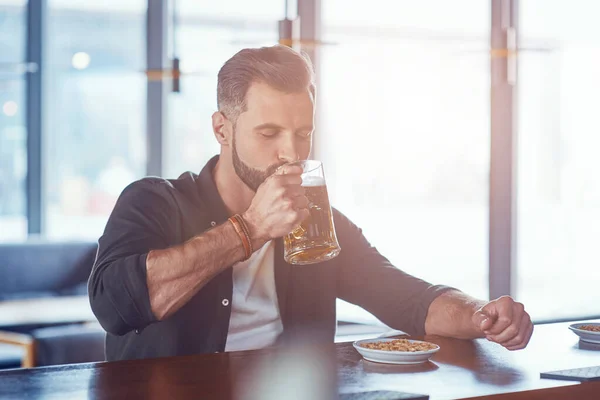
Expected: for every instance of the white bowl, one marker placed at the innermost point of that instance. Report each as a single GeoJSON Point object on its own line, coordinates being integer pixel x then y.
{"type": "Point", "coordinates": [586, 336]}
{"type": "Point", "coordinates": [394, 357]}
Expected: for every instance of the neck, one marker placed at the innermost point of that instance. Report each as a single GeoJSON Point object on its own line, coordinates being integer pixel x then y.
{"type": "Point", "coordinates": [235, 194]}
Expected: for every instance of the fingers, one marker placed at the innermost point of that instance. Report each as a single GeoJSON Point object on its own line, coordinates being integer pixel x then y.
{"type": "Point", "coordinates": [298, 211]}
{"type": "Point", "coordinates": [301, 215]}
{"type": "Point", "coordinates": [281, 201]}
{"type": "Point", "coordinates": [293, 197]}
{"type": "Point", "coordinates": [525, 341]}
{"type": "Point", "coordinates": [507, 334]}
{"type": "Point", "coordinates": [502, 310]}
{"type": "Point", "coordinates": [300, 202]}
{"type": "Point", "coordinates": [482, 320]}
{"type": "Point", "coordinates": [513, 327]}
{"type": "Point", "coordinates": [289, 169]}
{"type": "Point", "coordinates": [286, 180]}
{"type": "Point", "coordinates": [287, 175]}
{"type": "Point", "coordinates": [522, 338]}
{"type": "Point", "coordinates": [294, 191]}
{"type": "Point", "coordinates": [289, 187]}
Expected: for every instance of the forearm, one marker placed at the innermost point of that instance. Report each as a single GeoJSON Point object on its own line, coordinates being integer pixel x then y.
{"type": "Point", "coordinates": [176, 274]}
{"type": "Point", "coordinates": [451, 315]}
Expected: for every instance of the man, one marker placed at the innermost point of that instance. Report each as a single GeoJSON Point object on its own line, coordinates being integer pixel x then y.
{"type": "Point", "coordinates": [195, 264]}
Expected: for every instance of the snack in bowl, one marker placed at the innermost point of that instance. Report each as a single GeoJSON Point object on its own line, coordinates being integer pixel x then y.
{"type": "Point", "coordinates": [396, 351]}
{"type": "Point", "coordinates": [591, 328]}
{"type": "Point", "coordinates": [400, 345]}
{"type": "Point", "coordinates": [587, 331]}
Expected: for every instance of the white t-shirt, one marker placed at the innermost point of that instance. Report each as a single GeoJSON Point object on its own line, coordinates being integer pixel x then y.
{"type": "Point", "coordinates": [255, 320]}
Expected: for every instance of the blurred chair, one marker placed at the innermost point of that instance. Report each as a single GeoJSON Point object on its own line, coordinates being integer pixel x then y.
{"type": "Point", "coordinates": [11, 356]}
{"type": "Point", "coordinates": [37, 272]}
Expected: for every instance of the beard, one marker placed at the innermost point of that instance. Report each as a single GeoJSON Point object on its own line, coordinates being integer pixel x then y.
{"type": "Point", "coordinates": [251, 177]}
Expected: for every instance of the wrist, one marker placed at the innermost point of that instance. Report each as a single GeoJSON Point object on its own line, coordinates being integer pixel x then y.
{"type": "Point", "coordinates": [257, 236]}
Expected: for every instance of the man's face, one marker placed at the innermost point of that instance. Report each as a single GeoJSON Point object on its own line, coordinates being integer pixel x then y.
{"type": "Point", "coordinates": [276, 129]}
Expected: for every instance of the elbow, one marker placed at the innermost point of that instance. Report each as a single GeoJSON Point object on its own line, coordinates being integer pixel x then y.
{"type": "Point", "coordinates": [106, 313]}
{"type": "Point", "coordinates": [108, 316]}
{"type": "Point", "coordinates": [113, 327]}
{"type": "Point", "coordinates": [119, 297]}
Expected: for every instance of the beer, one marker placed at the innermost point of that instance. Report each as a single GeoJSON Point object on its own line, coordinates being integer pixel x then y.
{"type": "Point", "coordinates": [314, 240]}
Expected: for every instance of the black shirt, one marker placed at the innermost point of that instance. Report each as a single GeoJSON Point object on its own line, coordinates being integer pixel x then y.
{"type": "Point", "coordinates": [155, 213]}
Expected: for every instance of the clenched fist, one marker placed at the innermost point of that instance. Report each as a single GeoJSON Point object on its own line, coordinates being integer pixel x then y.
{"type": "Point", "coordinates": [504, 321]}
{"type": "Point", "coordinates": [279, 205]}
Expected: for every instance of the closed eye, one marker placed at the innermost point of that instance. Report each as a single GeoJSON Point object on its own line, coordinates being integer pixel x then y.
{"type": "Point", "coordinates": [269, 132]}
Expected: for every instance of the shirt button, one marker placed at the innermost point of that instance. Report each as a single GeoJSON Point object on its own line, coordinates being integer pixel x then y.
{"type": "Point", "coordinates": [225, 302]}
{"type": "Point", "coordinates": [137, 331]}
{"type": "Point", "coordinates": [213, 223]}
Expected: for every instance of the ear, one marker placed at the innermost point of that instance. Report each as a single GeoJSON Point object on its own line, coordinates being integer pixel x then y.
{"type": "Point", "coordinates": [220, 126]}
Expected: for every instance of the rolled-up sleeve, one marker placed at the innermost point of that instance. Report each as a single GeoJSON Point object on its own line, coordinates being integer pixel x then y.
{"type": "Point", "coordinates": [117, 287]}
{"type": "Point", "coordinates": [369, 280]}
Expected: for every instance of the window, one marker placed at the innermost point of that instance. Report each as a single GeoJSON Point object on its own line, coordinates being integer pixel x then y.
{"type": "Point", "coordinates": [558, 184]}
{"type": "Point", "coordinates": [403, 126]}
{"type": "Point", "coordinates": [404, 133]}
{"type": "Point", "coordinates": [95, 107]}
{"type": "Point", "coordinates": [13, 133]}
{"type": "Point", "coordinates": [207, 35]}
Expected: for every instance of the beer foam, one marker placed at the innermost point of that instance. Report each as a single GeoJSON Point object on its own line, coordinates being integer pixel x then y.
{"type": "Point", "coordinates": [311, 181]}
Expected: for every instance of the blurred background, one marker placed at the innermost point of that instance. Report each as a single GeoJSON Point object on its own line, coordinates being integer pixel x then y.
{"type": "Point", "coordinates": [461, 135]}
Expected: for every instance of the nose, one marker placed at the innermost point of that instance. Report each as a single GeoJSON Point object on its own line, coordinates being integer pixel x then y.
{"type": "Point", "coordinates": [288, 150]}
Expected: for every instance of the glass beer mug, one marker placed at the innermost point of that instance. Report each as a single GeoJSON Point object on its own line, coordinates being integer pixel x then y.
{"type": "Point", "coordinates": [314, 240]}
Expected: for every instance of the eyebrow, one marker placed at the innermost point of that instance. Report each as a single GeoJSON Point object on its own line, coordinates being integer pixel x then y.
{"type": "Point", "coordinates": [270, 125]}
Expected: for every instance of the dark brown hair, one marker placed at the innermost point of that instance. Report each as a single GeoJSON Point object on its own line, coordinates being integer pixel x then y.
{"type": "Point", "coordinates": [278, 66]}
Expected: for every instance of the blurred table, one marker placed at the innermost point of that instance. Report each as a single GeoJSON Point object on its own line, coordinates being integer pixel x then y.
{"type": "Point", "coordinates": [461, 369]}
{"type": "Point", "coordinates": [46, 310]}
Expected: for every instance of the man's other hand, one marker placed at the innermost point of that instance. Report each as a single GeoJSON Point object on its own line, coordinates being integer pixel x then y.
{"type": "Point", "coordinates": [504, 321]}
